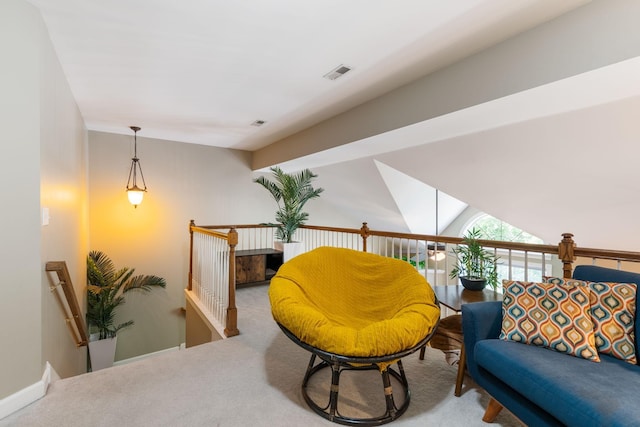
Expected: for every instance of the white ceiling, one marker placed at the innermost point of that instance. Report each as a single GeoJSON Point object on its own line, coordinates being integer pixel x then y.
{"type": "Point", "coordinates": [201, 71]}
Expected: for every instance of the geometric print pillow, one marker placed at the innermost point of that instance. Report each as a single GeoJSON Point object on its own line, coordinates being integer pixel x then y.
{"type": "Point", "coordinates": [556, 317]}
{"type": "Point", "coordinates": [613, 310]}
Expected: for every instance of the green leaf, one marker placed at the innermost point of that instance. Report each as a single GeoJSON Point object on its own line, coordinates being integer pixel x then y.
{"type": "Point", "coordinates": [105, 292]}
{"type": "Point", "coordinates": [291, 192]}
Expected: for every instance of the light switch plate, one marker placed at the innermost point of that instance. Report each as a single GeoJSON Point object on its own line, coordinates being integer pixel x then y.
{"type": "Point", "coordinates": [45, 216]}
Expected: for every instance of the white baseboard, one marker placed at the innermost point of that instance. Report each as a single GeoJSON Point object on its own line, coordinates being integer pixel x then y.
{"type": "Point", "coordinates": [28, 395]}
{"type": "Point", "coordinates": [144, 356]}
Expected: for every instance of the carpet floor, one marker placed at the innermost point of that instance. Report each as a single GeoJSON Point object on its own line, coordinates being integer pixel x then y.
{"type": "Point", "coordinates": [250, 380]}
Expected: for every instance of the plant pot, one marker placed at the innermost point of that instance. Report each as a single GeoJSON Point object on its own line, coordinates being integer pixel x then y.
{"type": "Point", "coordinates": [473, 283]}
{"type": "Point", "coordinates": [102, 353]}
{"type": "Point", "coordinates": [289, 250]}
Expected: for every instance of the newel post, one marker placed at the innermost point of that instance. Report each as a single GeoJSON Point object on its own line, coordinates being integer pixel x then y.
{"type": "Point", "coordinates": [364, 232]}
{"type": "Point", "coordinates": [192, 224]}
{"type": "Point", "coordinates": [566, 254]}
{"type": "Point", "coordinates": [231, 329]}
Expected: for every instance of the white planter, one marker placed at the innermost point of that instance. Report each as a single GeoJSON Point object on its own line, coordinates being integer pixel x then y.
{"type": "Point", "coordinates": [289, 250]}
{"type": "Point", "coordinates": [102, 353]}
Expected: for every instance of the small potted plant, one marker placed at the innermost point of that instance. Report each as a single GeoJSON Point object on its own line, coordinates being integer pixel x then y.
{"type": "Point", "coordinates": [105, 292]}
{"type": "Point", "coordinates": [291, 192]}
{"type": "Point", "coordinates": [475, 266]}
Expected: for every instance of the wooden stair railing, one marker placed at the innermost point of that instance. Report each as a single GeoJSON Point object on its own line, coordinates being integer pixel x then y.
{"type": "Point", "coordinates": [71, 309]}
{"type": "Point", "coordinates": [231, 316]}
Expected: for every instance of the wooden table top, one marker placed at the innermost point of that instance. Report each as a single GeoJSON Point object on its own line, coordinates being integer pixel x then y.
{"type": "Point", "coordinates": [453, 296]}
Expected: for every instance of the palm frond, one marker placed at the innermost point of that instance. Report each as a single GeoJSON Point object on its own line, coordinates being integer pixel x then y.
{"type": "Point", "coordinates": [105, 292]}
{"type": "Point", "coordinates": [291, 192]}
{"type": "Point", "coordinates": [145, 283]}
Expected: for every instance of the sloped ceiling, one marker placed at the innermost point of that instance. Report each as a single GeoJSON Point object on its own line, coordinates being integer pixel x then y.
{"type": "Point", "coordinates": [425, 209]}
{"type": "Point", "coordinates": [574, 172]}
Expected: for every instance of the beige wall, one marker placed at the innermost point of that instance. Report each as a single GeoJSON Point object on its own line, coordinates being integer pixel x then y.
{"type": "Point", "coordinates": [42, 146]}
{"type": "Point", "coordinates": [20, 326]}
{"type": "Point", "coordinates": [63, 190]}
{"type": "Point", "coordinates": [185, 181]}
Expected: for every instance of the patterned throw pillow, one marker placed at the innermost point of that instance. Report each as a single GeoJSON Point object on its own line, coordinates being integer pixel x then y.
{"type": "Point", "coordinates": [548, 315]}
{"type": "Point", "coordinates": [613, 309]}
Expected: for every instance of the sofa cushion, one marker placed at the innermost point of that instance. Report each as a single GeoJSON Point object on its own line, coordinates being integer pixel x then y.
{"type": "Point", "coordinates": [613, 310]}
{"type": "Point", "coordinates": [551, 316]}
{"type": "Point", "coordinates": [594, 273]}
{"type": "Point", "coordinates": [575, 391]}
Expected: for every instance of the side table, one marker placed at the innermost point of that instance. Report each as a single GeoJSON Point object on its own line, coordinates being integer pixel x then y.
{"type": "Point", "coordinates": [453, 297]}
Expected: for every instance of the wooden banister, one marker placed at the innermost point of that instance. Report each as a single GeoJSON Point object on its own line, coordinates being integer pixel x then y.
{"type": "Point", "coordinates": [192, 224]}
{"type": "Point", "coordinates": [566, 254]}
{"type": "Point", "coordinates": [566, 251]}
{"type": "Point", "coordinates": [231, 240]}
{"type": "Point", "coordinates": [231, 328]}
{"type": "Point", "coordinates": [365, 233]}
{"type": "Point", "coordinates": [79, 333]}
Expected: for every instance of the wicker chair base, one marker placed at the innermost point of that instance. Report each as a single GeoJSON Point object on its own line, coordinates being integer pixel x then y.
{"type": "Point", "coordinates": [339, 363]}
{"type": "Point", "coordinates": [331, 412]}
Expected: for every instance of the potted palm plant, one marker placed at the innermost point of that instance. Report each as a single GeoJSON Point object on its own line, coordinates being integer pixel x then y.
{"type": "Point", "coordinates": [291, 192]}
{"type": "Point", "coordinates": [105, 293]}
{"type": "Point", "coordinates": [475, 266]}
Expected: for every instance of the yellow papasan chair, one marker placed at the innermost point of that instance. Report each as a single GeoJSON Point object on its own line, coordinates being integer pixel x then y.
{"type": "Point", "coordinates": [354, 310]}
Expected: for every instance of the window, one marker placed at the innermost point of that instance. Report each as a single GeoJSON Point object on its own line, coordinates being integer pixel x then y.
{"type": "Point", "coordinates": [495, 229]}
{"type": "Point", "coordinates": [513, 265]}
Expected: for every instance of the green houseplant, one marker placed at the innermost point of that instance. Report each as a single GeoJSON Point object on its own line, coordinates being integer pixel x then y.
{"type": "Point", "coordinates": [475, 266]}
{"type": "Point", "coordinates": [291, 192]}
{"type": "Point", "coordinates": [106, 287]}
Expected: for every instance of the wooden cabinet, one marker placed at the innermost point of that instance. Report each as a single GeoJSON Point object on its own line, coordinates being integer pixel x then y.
{"type": "Point", "coordinates": [257, 265]}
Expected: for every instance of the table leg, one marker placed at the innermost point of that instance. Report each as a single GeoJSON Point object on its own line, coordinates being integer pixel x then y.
{"type": "Point", "coordinates": [462, 365]}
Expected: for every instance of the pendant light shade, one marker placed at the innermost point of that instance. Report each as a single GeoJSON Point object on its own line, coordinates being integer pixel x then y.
{"type": "Point", "coordinates": [135, 193]}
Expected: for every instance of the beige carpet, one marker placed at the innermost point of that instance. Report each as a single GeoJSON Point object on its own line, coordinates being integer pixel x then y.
{"type": "Point", "coordinates": [250, 380]}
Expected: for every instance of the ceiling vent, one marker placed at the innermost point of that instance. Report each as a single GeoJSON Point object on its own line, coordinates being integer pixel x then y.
{"type": "Point", "coordinates": [339, 71]}
{"type": "Point", "coordinates": [258, 123]}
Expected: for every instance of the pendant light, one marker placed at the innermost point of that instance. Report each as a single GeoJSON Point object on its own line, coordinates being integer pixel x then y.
{"type": "Point", "coordinates": [135, 193]}
{"type": "Point", "coordinates": [436, 251]}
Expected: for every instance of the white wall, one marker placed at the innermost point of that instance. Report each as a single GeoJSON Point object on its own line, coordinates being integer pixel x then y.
{"type": "Point", "coordinates": [41, 128]}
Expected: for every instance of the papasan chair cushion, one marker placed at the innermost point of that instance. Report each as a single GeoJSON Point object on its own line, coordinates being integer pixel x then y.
{"type": "Point", "coordinates": [353, 303]}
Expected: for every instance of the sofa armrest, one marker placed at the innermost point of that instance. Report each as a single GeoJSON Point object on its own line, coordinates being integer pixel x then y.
{"type": "Point", "coordinates": [480, 321]}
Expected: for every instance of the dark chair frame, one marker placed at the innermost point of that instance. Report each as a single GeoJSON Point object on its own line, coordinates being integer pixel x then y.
{"type": "Point", "coordinates": [339, 363]}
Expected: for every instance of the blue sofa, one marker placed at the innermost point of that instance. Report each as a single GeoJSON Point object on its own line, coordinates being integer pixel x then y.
{"type": "Point", "coordinates": [543, 387]}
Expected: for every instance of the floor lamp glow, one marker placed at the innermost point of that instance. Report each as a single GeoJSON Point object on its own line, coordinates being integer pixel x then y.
{"type": "Point", "coordinates": [135, 193]}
